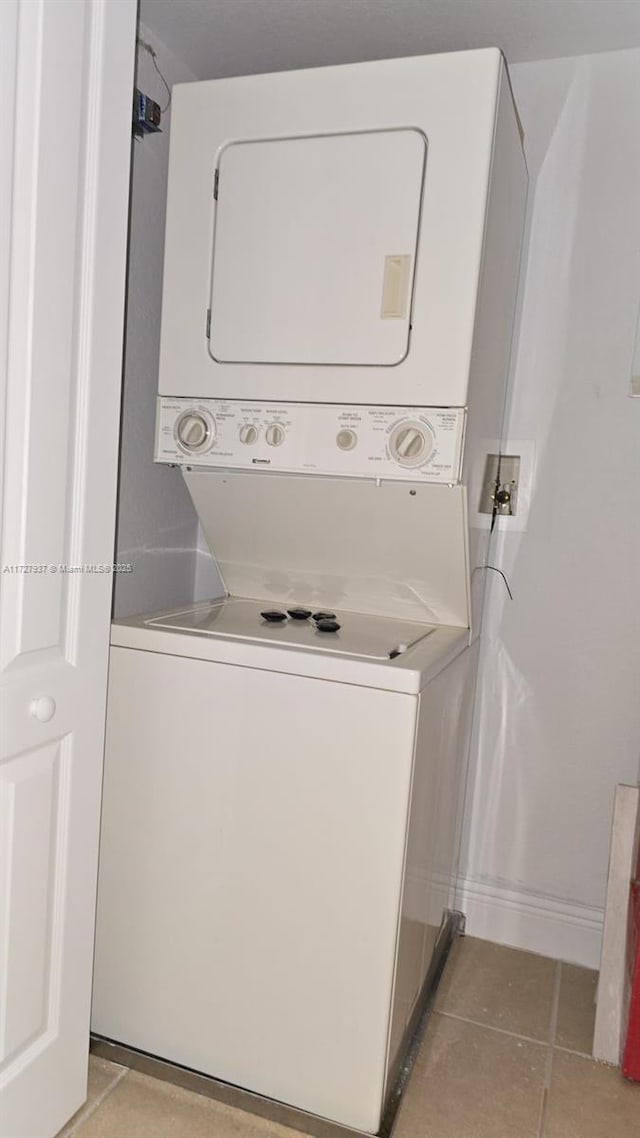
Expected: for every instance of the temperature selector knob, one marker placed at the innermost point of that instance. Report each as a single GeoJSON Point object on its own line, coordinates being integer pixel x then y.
{"type": "Point", "coordinates": [248, 434]}
{"type": "Point", "coordinates": [346, 438]}
{"type": "Point", "coordinates": [411, 443]}
{"type": "Point", "coordinates": [194, 431]}
{"type": "Point", "coordinates": [275, 435]}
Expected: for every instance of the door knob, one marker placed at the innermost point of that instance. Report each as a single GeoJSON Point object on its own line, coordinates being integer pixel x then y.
{"type": "Point", "coordinates": [43, 709]}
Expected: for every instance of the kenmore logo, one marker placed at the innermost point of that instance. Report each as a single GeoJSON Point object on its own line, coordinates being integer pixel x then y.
{"type": "Point", "coordinates": [262, 461]}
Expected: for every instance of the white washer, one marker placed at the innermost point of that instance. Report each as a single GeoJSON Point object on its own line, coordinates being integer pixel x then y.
{"type": "Point", "coordinates": [282, 797]}
{"type": "Point", "coordinates": [280, 827]}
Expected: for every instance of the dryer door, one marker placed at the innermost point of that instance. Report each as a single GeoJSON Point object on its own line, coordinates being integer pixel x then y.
{"type": "Point", "coordinates": [315, 248]}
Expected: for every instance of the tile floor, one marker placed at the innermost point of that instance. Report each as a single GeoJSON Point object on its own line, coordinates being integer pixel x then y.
{"type": "Point", "coordinates": [505, 1055]}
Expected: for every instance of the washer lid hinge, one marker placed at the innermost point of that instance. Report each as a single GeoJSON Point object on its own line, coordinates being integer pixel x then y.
{"type": "Point", "coordinates": [216, 180]}
{"type": "Point", "coordinates": [208, 323]}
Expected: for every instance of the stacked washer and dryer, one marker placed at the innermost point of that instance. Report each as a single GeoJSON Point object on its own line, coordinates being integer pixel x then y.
{"type": "Point", "coordinates": [285, 764]}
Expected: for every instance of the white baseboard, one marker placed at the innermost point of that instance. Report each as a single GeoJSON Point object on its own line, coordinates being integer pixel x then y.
{"type": "Point", "coordinates": [530, 921]}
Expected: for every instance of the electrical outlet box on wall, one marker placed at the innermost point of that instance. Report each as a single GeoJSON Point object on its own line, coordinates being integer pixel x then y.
{"type": "Point", "coordinates": [500, 485]}
{"type": "Point", "coordinates": [519, 458]}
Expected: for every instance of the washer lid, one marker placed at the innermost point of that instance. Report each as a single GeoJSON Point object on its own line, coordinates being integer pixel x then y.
{"type": "Point", "coordinates": [395, 548]}
{"type": "Point", "coordinates": [239, 618]}
{"type": "Point", "coordinates": [315, 247]}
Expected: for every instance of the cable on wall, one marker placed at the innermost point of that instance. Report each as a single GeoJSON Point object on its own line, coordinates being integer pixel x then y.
{"type": "Point", "coordinates": [151, 51]}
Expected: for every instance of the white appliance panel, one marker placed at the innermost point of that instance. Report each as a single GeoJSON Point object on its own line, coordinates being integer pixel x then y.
{"type": "Point", "coordinates": [452, 101]}
{"type": "Point", "coordinates": [264, 953]}
{"type": "Point", "coordinates": [314, 248]}
{"type": "Point", "coordinates": [437, 797]}
{"type": "Point", "coordinates": [422, 444]}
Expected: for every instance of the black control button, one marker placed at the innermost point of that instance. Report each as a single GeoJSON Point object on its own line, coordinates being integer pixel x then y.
{"type": "Point", "coordinates": [273, 616]}
{"type": "Point", "coordinates": [324, 616]}
{"type": "Point", "coordinates": [299, 614]}
{"type": "Point", "coordinates": [327, 625]}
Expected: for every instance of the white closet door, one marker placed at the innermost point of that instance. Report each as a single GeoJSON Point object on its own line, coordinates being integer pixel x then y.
{"type": "Point", "coordinates": [314, 248]}
{"type": "Point", "coordinates": [66, 73]}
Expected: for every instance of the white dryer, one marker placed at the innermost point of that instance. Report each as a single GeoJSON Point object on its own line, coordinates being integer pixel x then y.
{"type": "Point", "coordinates": [327, 232]}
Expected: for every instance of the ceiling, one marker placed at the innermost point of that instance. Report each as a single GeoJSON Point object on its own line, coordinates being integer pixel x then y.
{"type": "Point", "coordinates": [240, 37]}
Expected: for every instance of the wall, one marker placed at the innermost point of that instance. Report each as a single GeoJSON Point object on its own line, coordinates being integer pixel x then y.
{"type": "Point", "coordinates": [558, 713]}
{"type": "Point", "coordinates": [157, 525]}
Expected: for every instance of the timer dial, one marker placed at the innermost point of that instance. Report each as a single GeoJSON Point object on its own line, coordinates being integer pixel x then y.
{"type": "Point", "coordinates": [248, 434]}
{"type": "Point", "coordinates": [275, 435]}
{"type": "Point", "coordinates": [411, 443]}
{"type": "Point", "coordinates": [194, 431]}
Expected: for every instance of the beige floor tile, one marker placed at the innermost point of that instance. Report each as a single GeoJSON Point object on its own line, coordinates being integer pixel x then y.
{"type": "Point", "coordinates": [498, 986]}
{"type": "Point", "coordinates": [142, 1107]}
{"type": "Point", "coordinates": [589, 1100]}
{"type": "Point", "coordinates": [102, 1075]}
{"type": "Point", "coordinates": [472, 1082]}
{"type": "Point", "coordinates": [576, 1008]}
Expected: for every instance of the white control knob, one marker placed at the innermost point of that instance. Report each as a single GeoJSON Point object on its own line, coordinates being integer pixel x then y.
{"type": "Point", "coordinates": [275, 435]}
{"type": "Point", "coordinates": [346, 439]}
{"type": "Point", "coordinates": [43, 709]}
{"type": "Point", "coordinates": [410, 444]}
{"type": "Point", "coordinates": [248, 434]}
{"type": "Point", "coordinates": [194, 431]}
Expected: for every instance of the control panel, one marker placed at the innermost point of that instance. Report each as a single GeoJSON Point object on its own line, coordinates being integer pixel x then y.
{"type": "Point", "coordinates": [410, 443]}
